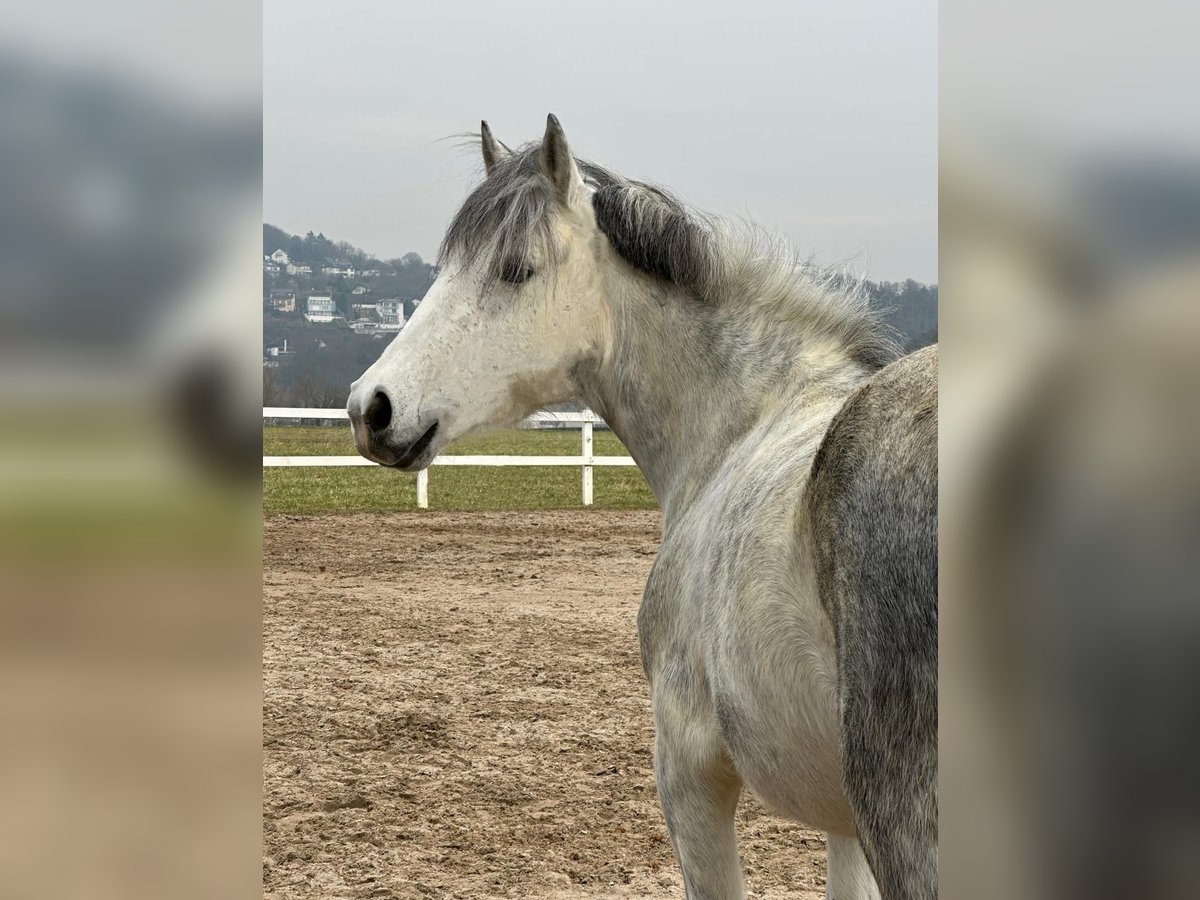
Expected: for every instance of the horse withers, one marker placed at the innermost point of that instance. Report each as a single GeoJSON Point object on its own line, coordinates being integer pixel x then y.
{"type": "Point", "coordinates": [789, 624]}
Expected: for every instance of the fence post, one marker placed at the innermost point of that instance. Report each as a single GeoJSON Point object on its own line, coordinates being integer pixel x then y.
{"type": "Point", "coordinates": [423, 489]}
{"type": "Point", "coordinates": [587, 459]}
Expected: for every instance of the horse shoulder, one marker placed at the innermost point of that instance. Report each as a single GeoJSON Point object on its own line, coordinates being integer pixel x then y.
{"type": "Point", "coordinates": [722, 558]}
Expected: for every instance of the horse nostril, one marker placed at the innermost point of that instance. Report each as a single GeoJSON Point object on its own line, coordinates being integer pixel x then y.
{"type": "Point", "coordinates": [379, 412]}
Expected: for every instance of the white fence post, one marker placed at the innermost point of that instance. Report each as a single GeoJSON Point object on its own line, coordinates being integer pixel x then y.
{"type": "Point", "coordinates": [423, 489]}
{"type": "Point", "coordinates": [587, 459]}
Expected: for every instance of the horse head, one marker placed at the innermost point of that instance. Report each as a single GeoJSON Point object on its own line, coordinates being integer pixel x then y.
{"type": "Point", "coordinates": [517, 307]}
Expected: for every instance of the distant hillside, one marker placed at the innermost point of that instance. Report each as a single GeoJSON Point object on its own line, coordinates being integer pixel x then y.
{"type": "Point", "coordinates": [322, 360]}
{"type": "Point", "coordinates": [407, 277]}
{"type": "Point", "coordinates": [275, 239]}
{"type": "Point", "coordinates": [912, 309]}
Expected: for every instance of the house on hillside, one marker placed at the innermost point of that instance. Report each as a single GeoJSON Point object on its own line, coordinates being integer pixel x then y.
{"type": "Point", "coordinates": [271, 355]}
{"type": "Point", "coordinates": [339, 268]}
{"type": "Point", "coordinates": [320, 308]}
{"type": "Point", "coordinates": [280, 257]}
{"type": "Point", "coordinates": [360, 290]}
{"type": "Point", "coordinates": [282, 301]}
{"type": "Point", "coordinates": [302, 269]}
{"type": "Point", "coordinates": [391, 314]}
{"type": "Point", "coordinates": [365, 318]}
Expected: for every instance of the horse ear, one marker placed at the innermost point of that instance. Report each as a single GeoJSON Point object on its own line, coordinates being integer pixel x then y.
{"type": "Point", "coordinates": [556, 161]}
{"type": "Point", "coordinates": [493, 150]}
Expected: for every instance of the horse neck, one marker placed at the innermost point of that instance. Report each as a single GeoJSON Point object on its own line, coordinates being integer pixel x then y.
{"type": "Point", "coordinates": [682, 382]}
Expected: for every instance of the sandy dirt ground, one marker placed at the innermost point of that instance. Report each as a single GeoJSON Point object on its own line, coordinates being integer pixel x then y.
{"type": "Point", "coordinates": [454, 707]}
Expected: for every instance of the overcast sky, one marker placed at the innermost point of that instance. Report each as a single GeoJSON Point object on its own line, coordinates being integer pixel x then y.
{"type": "Point", "coordinates": [818, 120]}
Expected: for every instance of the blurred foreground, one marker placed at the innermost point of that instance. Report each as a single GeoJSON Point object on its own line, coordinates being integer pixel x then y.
{"type": "Point", "coordinates": [130, 172]}
{"type": "Point", "coordinates": [1070, 459]}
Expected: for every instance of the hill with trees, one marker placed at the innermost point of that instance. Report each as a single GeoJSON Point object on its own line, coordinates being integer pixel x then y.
{"type": "Point", "coordinates": [910, 307]}
{"type": "Point", "coordinates": [406, 277]}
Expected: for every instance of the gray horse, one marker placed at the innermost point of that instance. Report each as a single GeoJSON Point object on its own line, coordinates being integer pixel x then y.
{"type": "Point", "coordinates": [789, 625]}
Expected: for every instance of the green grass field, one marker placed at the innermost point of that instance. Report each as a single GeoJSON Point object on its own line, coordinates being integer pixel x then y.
{"type": "Point", "coordinates": [322, 490]}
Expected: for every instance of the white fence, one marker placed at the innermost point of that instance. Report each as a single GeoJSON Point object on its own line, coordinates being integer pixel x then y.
{"type": "Point", "coordinates": [586, 460]}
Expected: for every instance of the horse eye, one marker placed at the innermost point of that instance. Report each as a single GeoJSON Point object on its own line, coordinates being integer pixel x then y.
{"type": "Point", "coordinates": [516, 273]}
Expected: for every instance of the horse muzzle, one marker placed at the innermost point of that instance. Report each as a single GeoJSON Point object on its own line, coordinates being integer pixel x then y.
{"type": "Point", "coordinates": [384, 440]}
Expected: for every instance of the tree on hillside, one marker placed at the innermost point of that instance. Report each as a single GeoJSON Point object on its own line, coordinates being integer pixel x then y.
{"type": "Point", "coordinates": [411, 280]}
{"type": "Point", "coordinates": [275, 239]}
{"type": "Point", "coordinates": [310, 388]}
{"type": "Point", "coordinates": [909, 307]}
{"type": "Point", "coordinates": [274, 393]}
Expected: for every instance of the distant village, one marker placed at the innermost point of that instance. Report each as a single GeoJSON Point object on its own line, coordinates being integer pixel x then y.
{"type": "Point", "coordinates": [354, 304]}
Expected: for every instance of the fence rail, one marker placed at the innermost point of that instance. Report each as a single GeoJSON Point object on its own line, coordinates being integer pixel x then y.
{"type": "Point", "coordinates": [586, 461]}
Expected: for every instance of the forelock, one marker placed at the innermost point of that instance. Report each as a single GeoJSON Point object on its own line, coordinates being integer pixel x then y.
{"type": "Point", "coordinates": [505, 219]}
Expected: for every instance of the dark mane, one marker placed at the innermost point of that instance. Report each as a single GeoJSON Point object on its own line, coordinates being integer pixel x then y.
{"type": "Point", "coordinates": [652, 230]}
{"type": "Point", "coordinates": [508, 216]}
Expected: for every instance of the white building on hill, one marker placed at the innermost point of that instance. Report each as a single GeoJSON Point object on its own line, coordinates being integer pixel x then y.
{"type": "Point", "coordinates": [391, 314]}
{"type": "Point", "coordinates": [321, 308]}
{"type": "Point", "coordinates": [283, 301]}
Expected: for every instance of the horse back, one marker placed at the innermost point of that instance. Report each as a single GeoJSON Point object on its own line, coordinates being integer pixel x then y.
{"type": "Point", "coordinates": [872, 506]}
